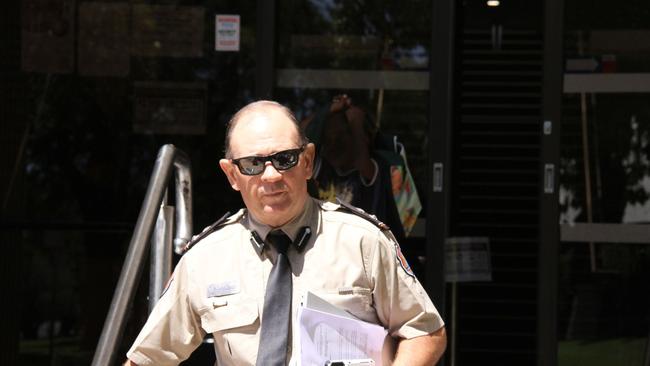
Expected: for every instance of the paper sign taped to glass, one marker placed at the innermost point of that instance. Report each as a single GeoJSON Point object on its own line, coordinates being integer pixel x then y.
{"type": "Point", "coordinates": [330, 335]}
{"type": "Point", "coordinates": [468, 259]}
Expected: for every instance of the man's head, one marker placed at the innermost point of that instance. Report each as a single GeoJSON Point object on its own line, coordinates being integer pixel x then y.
{"type": "Point", "coordinates": [345, 134]}
{"type": "Point", "coordinates": [337, 144]}
{"type": "Point", "coordinates": [262, 129]}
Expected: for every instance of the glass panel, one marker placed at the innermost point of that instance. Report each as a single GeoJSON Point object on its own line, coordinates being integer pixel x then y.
{"type": "Point", "coordinates": [96, 89]}
{"type": "Point", "coordinates": [609, 37]}
{"type": "Point", "coordinates": [353, 35]}
{"type": "Point", "coordinates": [404, 114]}
{"type": "Point", "coordinates": [377, 54]}
{"type": "Point", "coordinates": [605, 158]}
{"type": "Point", "coordinates": [604, 302]}
{"type": "Point", "coordinates": [603, 314]}
{"type": "Point", "coordinates": [61, 273]}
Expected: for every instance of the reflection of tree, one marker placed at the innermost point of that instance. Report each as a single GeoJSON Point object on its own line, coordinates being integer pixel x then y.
{"type": "Point", "coordinates": [619, 130]}
{"type": "Point", "coordinates": [636, 164]}
{"type": "Point", "coordinates": [405, 23]}
{"type": "Point", "coordinates": [401, 26]}
{"type": "Point", "coordinates": [609, 301]}
{"type": "Point", "coordinates": [624, 130]}
{"type": "Point", "coordinates": [361, 35]}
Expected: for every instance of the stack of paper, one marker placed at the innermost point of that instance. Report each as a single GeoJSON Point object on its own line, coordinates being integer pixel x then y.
{"type": "Point", "coordinates": [326, 332]}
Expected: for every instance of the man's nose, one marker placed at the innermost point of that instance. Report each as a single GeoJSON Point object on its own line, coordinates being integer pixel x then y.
{"type": "Point", "coordinates": [270, 174]}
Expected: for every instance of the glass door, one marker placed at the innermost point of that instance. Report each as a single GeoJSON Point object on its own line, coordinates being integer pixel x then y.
{"type": "Point", "coordinates": [377, 54]}
{"type": "Point", "coordinates": [604, 296]}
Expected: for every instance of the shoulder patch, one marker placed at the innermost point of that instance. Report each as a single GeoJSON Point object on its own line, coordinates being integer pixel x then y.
{"type": "Point", "coordinates": [402, 261]}
{"type": "Point", "coordinates": [226, 219]}
{"type": "Point", "coordinates": [361, 213]}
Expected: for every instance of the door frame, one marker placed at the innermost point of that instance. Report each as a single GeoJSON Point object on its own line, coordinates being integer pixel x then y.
{"type": "Point", "coordinates": [552, 91]}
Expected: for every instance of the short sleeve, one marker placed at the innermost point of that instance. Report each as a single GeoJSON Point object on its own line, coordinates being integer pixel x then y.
{"type": "Point", "coordinates": [172, 331]}
{"type": "Point", "coordinates": [402, 304]}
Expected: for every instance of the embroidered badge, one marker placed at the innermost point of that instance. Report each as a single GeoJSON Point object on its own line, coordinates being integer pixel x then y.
{"type": "Point", "coordinates": [222, 288]}
{"type": "Point", "coordinates": [402, 261]}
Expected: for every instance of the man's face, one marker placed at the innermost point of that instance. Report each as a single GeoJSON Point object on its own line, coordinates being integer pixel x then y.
{"type": "Point", "coordinates": [338, 145]}
{"type": "Point", "coordinates": [272, 197]}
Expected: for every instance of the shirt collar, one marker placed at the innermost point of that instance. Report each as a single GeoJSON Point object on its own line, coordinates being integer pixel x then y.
{"type": "Point", "coordinates": [305, 218]}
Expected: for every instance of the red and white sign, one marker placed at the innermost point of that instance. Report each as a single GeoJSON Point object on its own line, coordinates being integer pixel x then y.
{"type": "Point", "coordinates": [227, 31]}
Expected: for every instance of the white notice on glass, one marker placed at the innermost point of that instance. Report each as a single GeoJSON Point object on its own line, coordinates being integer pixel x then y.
{"type": "Point", "coordinates": [227, 33]}
{"type": "Point", "coordinates": [327, 332]}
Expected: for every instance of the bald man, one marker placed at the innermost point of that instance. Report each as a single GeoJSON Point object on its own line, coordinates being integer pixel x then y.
{"type": "Point", "coordinates": [339, 253]}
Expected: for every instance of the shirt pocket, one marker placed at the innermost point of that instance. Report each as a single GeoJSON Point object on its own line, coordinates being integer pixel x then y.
{"type": "Point", "coordinates": [355, 300]}
{"type": "Point", "coordinates": [227, 316]}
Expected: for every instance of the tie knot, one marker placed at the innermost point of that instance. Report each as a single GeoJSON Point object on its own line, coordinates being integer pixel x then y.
{"type": "Point", "coordinates": [280, 241]}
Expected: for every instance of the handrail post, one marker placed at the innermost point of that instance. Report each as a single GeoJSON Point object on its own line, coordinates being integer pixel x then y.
{"type": "Point", "coordinates": [183, 202]}
{"type": "Point", "coordinates": [168, 155]}
{"type": "Point", "coordinates": [161, 252]}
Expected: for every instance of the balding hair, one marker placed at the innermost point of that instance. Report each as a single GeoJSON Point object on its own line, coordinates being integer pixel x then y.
{"type": "Point", "coordinates": [260, 107]}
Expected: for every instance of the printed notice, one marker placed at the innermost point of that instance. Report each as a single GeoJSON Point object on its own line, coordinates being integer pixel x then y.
{"type": "Point", "coordinates": [227, 30]}
{"type": "Point", "coordinates": [467, 259]}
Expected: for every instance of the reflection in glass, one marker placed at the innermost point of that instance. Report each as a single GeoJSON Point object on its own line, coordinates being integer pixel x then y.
{"type": "Point", "coordinates": [354, 43]}
{"type": "Point", "coordinates": [604, 297]}
{"type": "Point", "coordinates": [613, 159]}
{"type": "Point", "coordinates": [89, 104]}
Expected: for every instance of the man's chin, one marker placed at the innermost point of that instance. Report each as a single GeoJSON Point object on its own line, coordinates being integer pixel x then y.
{"type": "Point", "coordinates": [276, 214]}
{"type": "Point", "coordinates": [278, 210]}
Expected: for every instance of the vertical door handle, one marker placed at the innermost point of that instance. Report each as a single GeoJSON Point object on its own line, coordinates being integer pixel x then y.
{"type": "Point", "coordinates": [549, 178]}
{"type": "Point", "coordinates": [437, 177]}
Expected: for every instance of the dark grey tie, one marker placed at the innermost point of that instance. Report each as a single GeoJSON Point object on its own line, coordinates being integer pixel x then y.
{"type": "Point", "coordinates": [276, 317]}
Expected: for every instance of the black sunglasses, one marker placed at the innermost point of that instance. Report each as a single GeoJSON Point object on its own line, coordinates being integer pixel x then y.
{"type": "Point", "coordinates": [281, 160]}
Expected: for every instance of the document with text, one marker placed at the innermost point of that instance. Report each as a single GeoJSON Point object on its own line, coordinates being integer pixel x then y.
{"type": "Point", "coordinates": [327, 332]}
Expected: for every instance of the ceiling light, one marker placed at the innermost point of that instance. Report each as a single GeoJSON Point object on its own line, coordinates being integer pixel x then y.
{"type": "Point", "coordinates": [493, 3]}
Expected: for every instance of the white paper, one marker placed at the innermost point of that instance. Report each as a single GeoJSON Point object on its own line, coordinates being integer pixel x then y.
{"type": "Point", "coordinates": [330, 333]}
{"type": "Point", "coordinates": [312, 301]}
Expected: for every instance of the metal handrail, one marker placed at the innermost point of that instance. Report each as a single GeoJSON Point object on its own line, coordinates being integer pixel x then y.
{"type": "Point", "coordinates": [168, 157]}
{"type": "Point", "coordinates": [161, 252]}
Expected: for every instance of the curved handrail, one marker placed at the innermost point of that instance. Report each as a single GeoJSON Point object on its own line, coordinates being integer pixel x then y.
{"type": "Point", "coordinates": [183, 201]}
{"type": "Point", "coordinates": [168, 156]}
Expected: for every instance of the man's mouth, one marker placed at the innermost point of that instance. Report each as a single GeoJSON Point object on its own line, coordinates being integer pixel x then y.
{"type": "Point", "coordinates": [273, 194]}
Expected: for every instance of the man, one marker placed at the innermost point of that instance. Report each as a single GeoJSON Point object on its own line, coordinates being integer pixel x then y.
{"type": "Point", "coordinates": [219, 286]}
{"type": "Point", "coordinates": [349, 169]}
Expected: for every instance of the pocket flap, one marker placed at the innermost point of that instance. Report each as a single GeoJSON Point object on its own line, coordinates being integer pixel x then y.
{"type": "Point", "coordinates": [226, 315]}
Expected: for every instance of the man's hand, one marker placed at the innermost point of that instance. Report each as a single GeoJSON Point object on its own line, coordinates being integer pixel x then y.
{"type": "Point", "coordinates": [130, 363]}
{"type": "Point", "coordinates": [356, 118]}
{"type": "Point", "coordinates": [424, 350]}
{"type": "Point", "coordinates": [340, 102]}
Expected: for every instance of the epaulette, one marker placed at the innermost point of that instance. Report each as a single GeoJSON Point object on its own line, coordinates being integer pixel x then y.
{"type": "Point", "coordinates": [361, 213]}
{"type": "Point", "coordinates": [223, 221]}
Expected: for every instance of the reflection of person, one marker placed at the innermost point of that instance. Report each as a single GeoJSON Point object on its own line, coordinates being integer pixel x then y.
{"type": "Point", "coordinates": [347, 167]}
{"type": "Point", "coordinates": [219, 285]}
{"type": "Point", "coordinates": [347, 140]}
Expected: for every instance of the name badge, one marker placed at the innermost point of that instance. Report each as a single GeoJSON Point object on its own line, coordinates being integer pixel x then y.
{"type": "Point", "coordinates": [223, 288]}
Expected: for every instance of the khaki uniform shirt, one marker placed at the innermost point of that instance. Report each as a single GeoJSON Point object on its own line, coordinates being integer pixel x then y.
{"type": "Point", "coordinates": [218, 286]}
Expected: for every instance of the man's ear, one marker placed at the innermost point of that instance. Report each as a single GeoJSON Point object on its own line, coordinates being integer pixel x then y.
{"type": "Point", "coordinates": [308, 155]}
{"type": "Point", "coordinates": [229, 169]}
